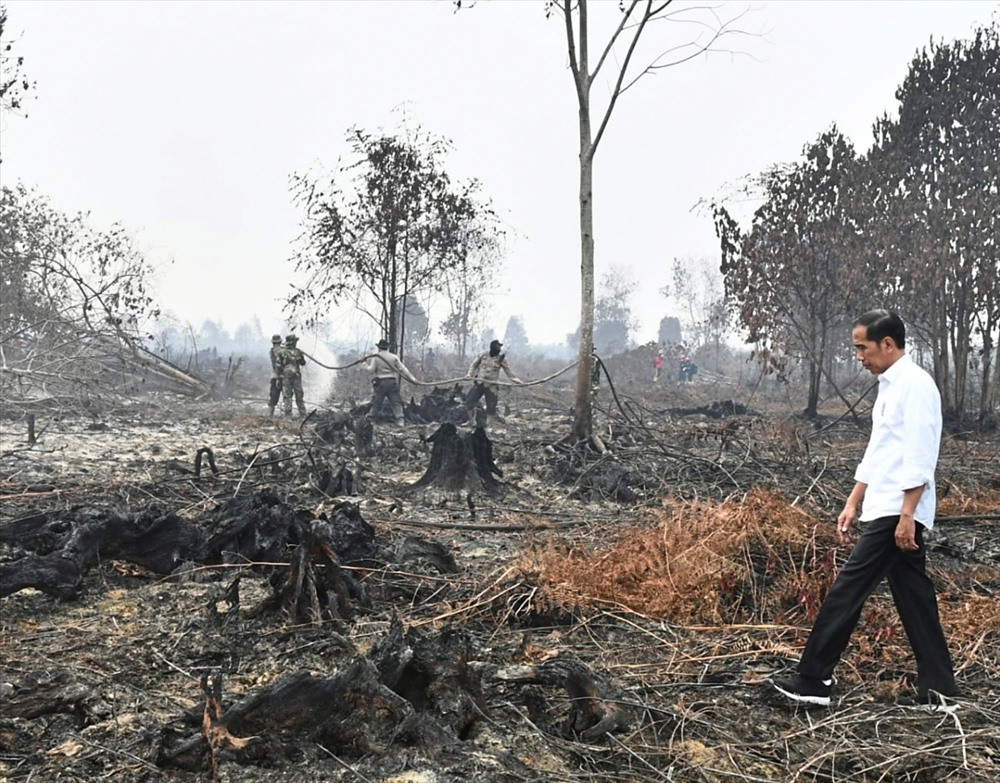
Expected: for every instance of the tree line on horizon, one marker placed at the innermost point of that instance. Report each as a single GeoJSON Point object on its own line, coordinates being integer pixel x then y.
{"type": "Point", "coordinates": [910, 224]}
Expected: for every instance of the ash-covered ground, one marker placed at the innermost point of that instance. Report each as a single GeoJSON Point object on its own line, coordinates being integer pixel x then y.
{"type": "Point", "coordinates": [599, 617]}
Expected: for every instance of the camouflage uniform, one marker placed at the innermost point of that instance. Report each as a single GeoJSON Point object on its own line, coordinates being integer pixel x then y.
{"type": "Point", "coordinates": [275, 390]}
{"type": "Point", "coordinates": [485, 372]}
{"type": "Point", "coordinates": [290, 360]}
{"type": "Point", "coordinates": [386, 368]}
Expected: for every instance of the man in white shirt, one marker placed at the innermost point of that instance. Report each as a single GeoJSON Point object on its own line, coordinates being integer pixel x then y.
{"type": "Point", "coordinates": [386, 369]}
{"type": "Point", "coordinates": [895, 491]}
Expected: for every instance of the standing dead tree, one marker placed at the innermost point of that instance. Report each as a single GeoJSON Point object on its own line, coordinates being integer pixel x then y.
{"type": "Point", "coordinates": [622, 47]}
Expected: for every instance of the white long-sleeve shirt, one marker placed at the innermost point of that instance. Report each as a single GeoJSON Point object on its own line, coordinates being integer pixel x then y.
{"type": "Point", "coordinates": [903, 448]}
{"type": "Point", "coordinates": [387, 365]}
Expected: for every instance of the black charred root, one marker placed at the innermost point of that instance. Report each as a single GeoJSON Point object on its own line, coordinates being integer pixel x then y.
{"type": "Point", "coordinates": [64, 547]}
{"type": "Point", "coordinates": [412, 690]}
{"type": "Point", "coordinates": [48, 692]}
{"type": "Point", "coordinates": [343, 482]}
{"type": "Point", "coordinates": [204, 451]}
{"type": "Point", "coordinates": [461, 460]}
{"type": "Point", "coordinates": [52, 552]}
{"type": "Point", "coordinates": [314, 588]}
{"type": "Point", "coordinates": [596, 706]}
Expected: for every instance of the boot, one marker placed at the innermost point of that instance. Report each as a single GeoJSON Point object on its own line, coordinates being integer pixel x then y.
{"type": "Point", "coordinates": [270, 411]}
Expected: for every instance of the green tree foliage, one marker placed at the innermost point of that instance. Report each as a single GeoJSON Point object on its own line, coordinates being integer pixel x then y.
{"type": "Point", "coordinates": [384, 228]}
{"type": "Point", "coordinates": [790, 276]}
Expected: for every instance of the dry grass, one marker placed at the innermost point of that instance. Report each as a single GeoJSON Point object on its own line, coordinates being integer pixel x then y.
{"type": "Point", "coordinates": [752, 558]}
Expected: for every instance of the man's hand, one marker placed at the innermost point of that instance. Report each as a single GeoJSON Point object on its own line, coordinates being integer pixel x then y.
{"type": "Point", "coordinates": [847, 518]}
{"type": "Point", "coordinates": [906, 533]}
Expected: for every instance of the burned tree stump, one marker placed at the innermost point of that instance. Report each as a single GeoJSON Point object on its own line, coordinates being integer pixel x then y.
{"type": "Point", "coordinates": [343, 482]}
{"type": "Point", "coordinates": [461, 461]}
{"type": "Point", "coordinates": [596, 706]}
{"type": "Point", "coordinates": [432, 673]}
{"type": "Point", "coordinates": [333, 428]}
{"type": "Point", "coordinates": [350, 711]}
{"type": "Point", "coordinates": [250, 528]}
{"type": "Point", "coordinates": [315, 588]}
{"type": "Point", "coordinates": [413, 690]}
{"type": "Point", "coordinates": [444, 405]}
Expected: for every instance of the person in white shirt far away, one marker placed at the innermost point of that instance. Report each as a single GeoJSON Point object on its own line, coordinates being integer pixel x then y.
{"type": "Point", "coordinates": [894, 492]}
{"type": "Point", "coordinates": [386, 369]}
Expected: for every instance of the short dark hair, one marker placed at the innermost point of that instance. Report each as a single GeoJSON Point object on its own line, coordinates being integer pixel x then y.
{"type": "Point", "coordinates": [883, 323]}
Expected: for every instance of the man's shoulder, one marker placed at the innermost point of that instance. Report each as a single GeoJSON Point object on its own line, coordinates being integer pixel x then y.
{"type": "Point", "coordinates": [915, 374]}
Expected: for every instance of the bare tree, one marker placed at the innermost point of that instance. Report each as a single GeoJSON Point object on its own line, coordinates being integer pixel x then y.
{"type": "Point", "coordinates": [478, 250]}
{"type": "Point", "coordinates": [14, 85]}
{"type": "Point", "coordinates": [620, 52]}
{"type": "Point", "coordinates": [383, 229]}
{"type": "Point", "coordinates": [73, 303]}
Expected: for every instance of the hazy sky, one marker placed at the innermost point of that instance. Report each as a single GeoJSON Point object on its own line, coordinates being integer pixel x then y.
{"type": "Point", "coordinates": [184, 120]}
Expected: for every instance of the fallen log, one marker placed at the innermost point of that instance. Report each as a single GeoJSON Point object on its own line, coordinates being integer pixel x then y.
{"type": "Point", "coordinates": [47, 692]}
{"type": "Point", "coordinates": [53, 551]}
{"type": "Point", "coordinates": [157, 365]}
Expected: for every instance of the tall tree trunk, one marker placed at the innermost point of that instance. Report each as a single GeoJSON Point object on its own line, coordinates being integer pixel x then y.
{"type": "Point", "coordinates": [582, 419]}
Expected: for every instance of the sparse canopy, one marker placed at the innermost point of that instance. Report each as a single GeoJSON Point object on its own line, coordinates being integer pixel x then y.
{"type": "Point", "coordinates": [382, 229]}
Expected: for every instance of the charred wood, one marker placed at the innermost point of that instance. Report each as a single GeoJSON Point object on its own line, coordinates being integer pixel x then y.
{"type": "Point", "coordinates": [45, 693]}
{"type": "Point", "coordinates": [461, 460]}
{"type": "Point", "coordinates": [596, 706]}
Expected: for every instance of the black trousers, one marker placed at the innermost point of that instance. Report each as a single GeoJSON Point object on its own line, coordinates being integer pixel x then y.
{"type": "Point", "coordinates": [386, 389]}
{"type": "Point", "coordinates": [876, 556]}
{"type": "Point", "coordinates": [275, 392]}
{"type": "Point", "coordinates": [482, 390]}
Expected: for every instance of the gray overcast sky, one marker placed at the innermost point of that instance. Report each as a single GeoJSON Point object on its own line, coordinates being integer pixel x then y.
{"type": "Point", "coordinates": [184, 120]}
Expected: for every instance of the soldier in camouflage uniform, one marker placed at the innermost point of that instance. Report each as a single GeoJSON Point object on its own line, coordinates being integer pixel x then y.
{"type": "Point", "coordinates": [275, 391]}
{"type": "Point", "coordinates": [290, 361]}
{"type": "Point", "coordinates": [485, 372]}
